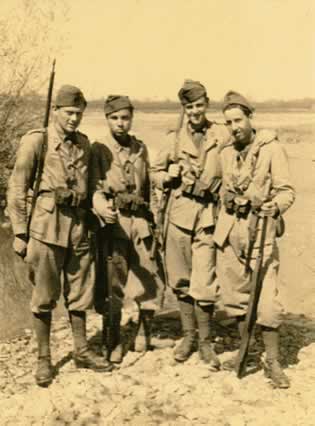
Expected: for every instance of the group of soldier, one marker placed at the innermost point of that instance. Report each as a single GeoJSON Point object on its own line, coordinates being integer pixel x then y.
{"type": "Point", "coordinates": [215, 178]}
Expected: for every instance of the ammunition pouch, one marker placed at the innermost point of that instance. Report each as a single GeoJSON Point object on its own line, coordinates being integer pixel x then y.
{"type": "Point", "coordinates": [67, 197]}
{"type": "Point", "coordinates": [199, 191]}
{"type": "Point", "coordinates": [238, 205]}
{"type": "Point", "coordinates": [134, 205]}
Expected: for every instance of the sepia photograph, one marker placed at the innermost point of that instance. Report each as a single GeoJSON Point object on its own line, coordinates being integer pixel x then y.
{"type": "Point", "coordinates": [157, 212]}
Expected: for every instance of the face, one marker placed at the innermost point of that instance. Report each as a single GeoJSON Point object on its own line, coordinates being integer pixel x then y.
{"type": "Point", "coordinates": [120, 122]}
{"type": "Point", "coordinates": [68, 118]}
{"type": "Point", "coordinates": [196, 111]}
{"type": "Point", "coordinates": [239, 124]}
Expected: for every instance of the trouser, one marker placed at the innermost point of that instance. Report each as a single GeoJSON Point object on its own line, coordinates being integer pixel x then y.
{"type": "Point", "coordinates": [134, 275]}
{"type": "Point", "coordinates": [49, 264]}
{"type": "Point", "coordinates": [235, 286]}
{"type": "Point", "coordinates": [190, 263]}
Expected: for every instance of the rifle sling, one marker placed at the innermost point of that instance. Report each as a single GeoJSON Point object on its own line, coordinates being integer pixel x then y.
{"type": "Point", "coordinates": [38, 175]}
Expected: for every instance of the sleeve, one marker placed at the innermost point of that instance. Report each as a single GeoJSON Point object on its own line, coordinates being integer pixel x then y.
{"type": "Point", "coordinates": [147, 182]}
{"type": "Point", "coordinates": [282, 192]}
{"type": "Point", "coordinates": [158, 170]}
{"type": "Point", "coordinates": [21, 181]}
{"type": "Point", "coordinates": [95, 173]}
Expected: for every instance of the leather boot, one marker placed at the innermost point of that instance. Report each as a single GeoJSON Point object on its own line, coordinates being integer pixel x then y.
{"type": "Point", "coordinates": [272, 367]}
{"type": "Point", "coordinates": [206, 351]}
{"type": "Point", "coordinates": [187, 314]}
{"type": "Point", "coordinates": [143, 338]}
{"type": "Point", "coordinates": [44, 371]}
{"type": "Point", "coordinates": [83, 357]}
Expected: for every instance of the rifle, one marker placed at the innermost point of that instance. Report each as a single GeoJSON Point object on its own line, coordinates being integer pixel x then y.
{"type": "Point", "coordinates": [160, 230]}
{"type": "Point", "coordinates": [108, 315]}
{"type": "Point", "coordinates": [256, 286]}
{"type": "Point", "coordinates": [43, 148]}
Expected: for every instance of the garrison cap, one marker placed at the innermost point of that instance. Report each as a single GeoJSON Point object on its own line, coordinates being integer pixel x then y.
{"type": "Point", "coordinates": [115, 103]}
{"type": "Point", "coordinates": [69, 96]}
{"type": "Point", "coordinates": [234, 98]}
{"type": "Point", "coordinates": [191, 91]}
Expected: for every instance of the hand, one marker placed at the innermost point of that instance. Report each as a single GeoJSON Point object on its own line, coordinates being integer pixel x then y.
{"type": "Point", "coordinates": [20, 245]}
{"type": "Point", "coordinates": [174, 171]}
{"type": "Point", "coordinates": [106, 212]}
{"type": "Point", "coordinates": [270, 208]}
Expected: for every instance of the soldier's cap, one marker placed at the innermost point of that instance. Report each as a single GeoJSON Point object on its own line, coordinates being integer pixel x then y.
{"type": "Point", "coordinates": [70, 96]}
{"type": "Point", "coordinates": [114, 103]}
{"type": "Point", "coordinates": [191, 91]}
{"type": "Point", "coordinates": [234, 98]}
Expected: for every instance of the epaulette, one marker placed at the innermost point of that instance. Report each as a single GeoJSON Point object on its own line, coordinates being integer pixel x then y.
{"type": "Point", "coordinates": [265, 136]}
{"type": "Point", "coordinates": [41, 130]}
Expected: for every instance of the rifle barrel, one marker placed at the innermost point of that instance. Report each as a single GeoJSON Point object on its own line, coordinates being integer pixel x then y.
{"type": "Point", "coordinates": [49, 95]}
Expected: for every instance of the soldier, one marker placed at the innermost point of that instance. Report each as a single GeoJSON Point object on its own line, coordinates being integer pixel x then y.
{"type": "Point", "coordinates": [255, 177]}
{"type": "Point", "coordinates": [119, 174]}
{"type": "Point", "coordinates": [58, 243]}
{"type": "Point", "coordinates": [189, 165]}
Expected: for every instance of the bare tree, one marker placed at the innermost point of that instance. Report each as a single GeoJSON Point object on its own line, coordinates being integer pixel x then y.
{"type": "Point", "coordinates": [31, 34]}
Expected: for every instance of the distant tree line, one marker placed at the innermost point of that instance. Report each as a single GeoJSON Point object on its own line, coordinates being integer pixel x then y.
{"type": "Point", "coordinates": [170, 105]}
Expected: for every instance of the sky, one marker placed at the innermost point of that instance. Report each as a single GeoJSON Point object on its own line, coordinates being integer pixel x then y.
{"type": "Point", "coordinates": [146, 48]}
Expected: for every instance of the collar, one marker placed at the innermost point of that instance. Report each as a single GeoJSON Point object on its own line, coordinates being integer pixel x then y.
{"type": "Point", "coordinates": [60, 137]}
{"type": "Point", "coordinates": [202, 129]}
{"type": "Point", "coordinates": [210, 139]}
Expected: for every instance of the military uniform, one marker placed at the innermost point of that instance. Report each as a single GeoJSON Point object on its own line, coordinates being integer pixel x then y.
{"type": "Point", "coordinates": [256, 183]}
{"type": "Point", "coordinates": [123, 171]}
{"type": "Point", "coordinates": [119, 170]}
{"type": "Point", "coordinates": [262, 174]}
{"type": "Point", "coordinates": [56, 245]}
{"type": "Point", "coordinates": [58, 234]}
{"type": "Point", "coordinates": [189, 247]}
{"type": "Point", "coordinates": [192, 154]}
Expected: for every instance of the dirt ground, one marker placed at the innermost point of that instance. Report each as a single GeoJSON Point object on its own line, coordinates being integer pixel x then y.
{"type": "Point", "coordinates": [150, 389]}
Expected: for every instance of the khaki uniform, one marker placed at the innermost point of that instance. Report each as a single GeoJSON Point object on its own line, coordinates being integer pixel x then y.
{"type": "Point", "coordinates": [263, 175]}
{"type": "Point", "coordinates": [189, 247]}
{"type": "Point", "coordinates": [58, 234]}
{"type": "Point", "coordinates": [123, 171]}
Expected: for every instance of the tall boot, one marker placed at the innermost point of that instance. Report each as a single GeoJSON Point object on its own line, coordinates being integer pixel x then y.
{"type": "Point", "coordinates": [206, 351]}
{"type": "Point", "coordinates": [44, 371]}
{"type": "Point", "coordinates": [273, 369]}
{"type": "Point", "coordinates": [188, 320]}
{"type": "Point", "coordinates": [83, 356]}
{"type": "Point", "coordinates": [115, 344]}
{"type": "Point", "coordinates": [143, 338]}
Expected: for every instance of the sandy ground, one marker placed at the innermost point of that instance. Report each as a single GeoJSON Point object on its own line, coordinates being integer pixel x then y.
{"type": "Point", "coordinates": [150, 389]}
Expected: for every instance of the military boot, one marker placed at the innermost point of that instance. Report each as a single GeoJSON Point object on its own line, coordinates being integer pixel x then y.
{"type": "Point", "coordinates": [143, 338]}
{"type": "Point", "coordinates": [188, 320]}
{"type": "Point", "coordinates": [206, 351]}
{"type": "Point", "coordinates": [272, 367]}
{"type": "Point", "coordinates": [83, 357]}
{"type": "Point", "coordinates": [44, 372]}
